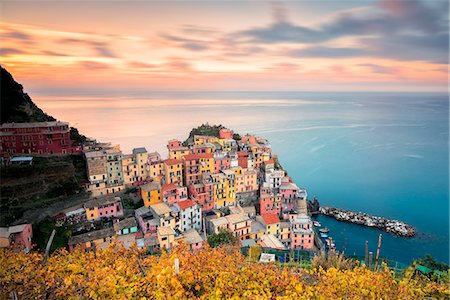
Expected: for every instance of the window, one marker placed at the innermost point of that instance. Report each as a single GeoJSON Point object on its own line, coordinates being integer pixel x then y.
{"type": "Point", "coordinates": [164, 238]}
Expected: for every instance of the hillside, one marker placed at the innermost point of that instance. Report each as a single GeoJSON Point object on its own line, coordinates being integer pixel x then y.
{"type": "Point", "coordinates": [50, 179]}
{"type": "Point", "coordinates": [213, 273]}
{"type": "Point", "coordinates": [206, 129]}
{"type": "Point", "coordinates": [18, 107]}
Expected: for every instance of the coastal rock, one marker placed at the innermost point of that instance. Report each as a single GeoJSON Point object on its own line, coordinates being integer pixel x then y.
{"type": "Point", "coordinates": [392, 226]}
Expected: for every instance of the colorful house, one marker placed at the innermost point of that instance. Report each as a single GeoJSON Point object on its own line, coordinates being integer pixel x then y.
{"type": "Point", "coordinates": [151, 193]}
{"type": "Point", "coordinates": [98, 239]}
{"type": "Point", "coordinates": [271, 241]}
{"type": "Point", "coordinates": [172, 193]}
{"type": "Point", "coordinates": [126, 226]}
{"type": "Point", "coordinates": [157, 171]}
{"type": "Point", "coordinates": [164, 214]}
{"type": "Point", "coordinates": [103, 207]}
{"type": "Point", "coordinates": [18, 236]}
{"type": "Point", "coordinates": [269, 204]}
{"type": "Point", "coordinates": [195, 165]}
{"type": "Point", "coordinates": [226, 133]}
{"type": "Point", "coordinates": [203, 194]}
{"type": "Point", "coordinates": [176, 149]}
{"type": "Point", "coordinates": [193, 239]}
{"type": "Point", "coordinates": [173, 171]}
{"type": "Point", "coordinates": [190, 215]}
{"type": "Point", "coordinates": [221, 162]}
{"type": "Point", "coordinates": [166, 237]}
{"type": "Point", "coordinates": [37, 137]}
{"type": "Point", "coordinates": [147, 221]}
{"type": "Point", "coordinates": [271, 222]}
{"type": "Point", "coordinates": [302, 233]}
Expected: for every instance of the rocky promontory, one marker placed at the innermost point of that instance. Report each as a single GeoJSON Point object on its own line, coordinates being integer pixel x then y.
{"type": "Point", "coordinates": [392, 226]}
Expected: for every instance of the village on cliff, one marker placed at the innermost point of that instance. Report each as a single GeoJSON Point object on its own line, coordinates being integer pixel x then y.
{"type": "Point", "coordinates": [210, 184]}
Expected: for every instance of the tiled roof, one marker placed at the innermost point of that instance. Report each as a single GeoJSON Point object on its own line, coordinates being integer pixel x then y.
{"type": "Point", "coordinates": [139, 150]}
{"type": "Point", "coordinates": [192, 236]}
{"type": "Point", "coordinates": [91, 236]}
{"type": "Point", "coordinates": [197, 156]}
{"type": "Point", "coordinates": [126, 223]}
{"type": "Point", "coordinates": [271, 219]}
{"type": "Point", "coordinates": [150, 186]}
{"type": "Point", "coordinates": [185, 204]}
{"type": "Point", "coordinates": [172, 161]}
{"type": "Point", "coordinates": [96, 202]}
{"type": "Point", "coordinates": [169, 186]}
{"type": "Point", "coordinates": [165, 230]}
{"type": "Point", "coordinates": [160, 208]}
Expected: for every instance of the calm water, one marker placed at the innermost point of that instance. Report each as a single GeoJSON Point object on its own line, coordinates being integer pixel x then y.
{"type": "Point", "coordinates": [382, 153]}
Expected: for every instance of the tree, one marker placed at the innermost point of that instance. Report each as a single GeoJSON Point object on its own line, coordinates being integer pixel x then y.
{"type": "Point", "coordinates": [223, 237]}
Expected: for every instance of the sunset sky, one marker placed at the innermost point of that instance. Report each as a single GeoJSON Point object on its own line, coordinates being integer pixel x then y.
{"type": "Point", "coordinates": [68, 48]}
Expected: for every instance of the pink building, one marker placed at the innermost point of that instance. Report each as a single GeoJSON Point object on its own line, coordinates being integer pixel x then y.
{"type": "Point", "coordinates": [289, 191]}
{"type": "Point", "coordinates": [103, 207]}
{"type": "Point", "coordinates": [269, 204]}
{"type": "Point", "coordinates": [18, 236]}
{"type": "Point", "coordinates": [203, 194]}
{"type": "Point", "coordinates": [243, 159]}
{"type": "Point", "coordinates": [221, 163]}
{"type": "Point", "coordinates": [225, 133]}
{"type": "Point", "coordinates": [148, 223]}
{"type": "Point", "coordinates": [174, 144]}
{"type": "Point", "coordinates": [302, 232]}
{"type": "Point", "coordinates": [172, 193]}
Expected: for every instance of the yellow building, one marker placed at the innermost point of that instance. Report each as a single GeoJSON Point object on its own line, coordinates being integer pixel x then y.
{"type": "Point", "coordinates": [271, 222]}
{"type": "Point", "coordinates": [166, 237]}
{"type": "Point", "coordinates": [220, 182]}
{"type": "Point", "coordinates": [230, 189]}
{"type": "Point", "coordinates": [178, 153]}
{"type": "Point", "coordinates": [173, 171]}
{"type": "Point", "coordinates": [164, 215]}
{"type": "Point", "coordinates": [157, 171]}
{"type": "Point", "coordinates": [151, 193]}
{"type": "Point", "coordinates": [204, 139]}
{"type": "Point", "coordinates": [226, 144]}
{"type": "Point", "coordinates": [140, 156]}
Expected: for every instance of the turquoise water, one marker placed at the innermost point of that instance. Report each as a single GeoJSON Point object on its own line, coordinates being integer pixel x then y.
{"type": "Point", "coordinates": [381, 153]}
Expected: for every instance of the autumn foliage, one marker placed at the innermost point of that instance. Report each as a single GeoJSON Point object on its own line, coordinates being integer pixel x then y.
{"type": "Point", "coordinates": [212, 273]}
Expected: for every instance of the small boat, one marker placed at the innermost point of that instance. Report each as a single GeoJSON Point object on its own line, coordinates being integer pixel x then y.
{"type": "Point", "coordinates": [324, 230]}
{"type": "Point", "coordinates": [323, 235]}
{"type": "Point", "coordinates": [330, 243]}
{"type": "Point", "coordinates": [317, 224]}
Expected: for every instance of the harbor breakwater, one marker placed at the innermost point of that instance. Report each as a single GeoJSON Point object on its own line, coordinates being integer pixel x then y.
{"type": "Point", "coordinates": [392, 226]}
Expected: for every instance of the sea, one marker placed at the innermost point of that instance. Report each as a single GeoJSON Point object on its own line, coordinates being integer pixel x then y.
{"type": "Point", "coordinates": [385, 154]}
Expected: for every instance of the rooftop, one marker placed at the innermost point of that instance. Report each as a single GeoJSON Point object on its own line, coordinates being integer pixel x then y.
{"type": "Point", "coordinates": [271, 219]}
{"type": "Point", "coordinates": [171, 161]}
{"type": "Point", "coordinates": [96, 202]}
{"type": "Point", "coordinates": [91, 236]}
{"type": "Point", "coordinates": [139, 150]}
{"type": "Point", "coordinates": [151, 186]}
{"type": "Point", "coordinates": [34, 124]}
{"type": "Point", "coordinates": [237, 218]}
{"type": "Point", "coordinates": [191, 236]}
{"type": "Point", "coordinates": [185, 204]}
{"type": "Point", "coordinates": [165, 230]}
{"type": "Point", "coordinates": [91, 154]}
{"type": "Point", "coordinates": [125, 223]}
{"type": "Point", "coordinates": [160, 208]}
{"type": "Point", "coordinates": [270, 241]}
{"type": "Point", "coordinates": [197, 156]}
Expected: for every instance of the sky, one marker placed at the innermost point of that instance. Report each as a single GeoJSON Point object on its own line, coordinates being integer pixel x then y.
{"type": "Point", "coordinates": [113, 47]}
